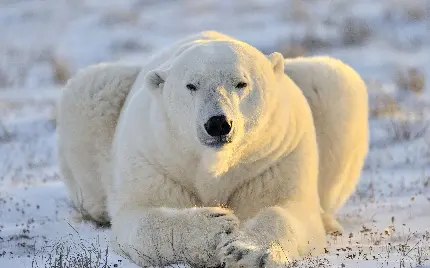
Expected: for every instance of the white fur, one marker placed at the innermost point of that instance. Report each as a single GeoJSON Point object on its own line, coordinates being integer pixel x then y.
{"type": "Point", "coordinates": [339, 102]}
{"type": "Point", "coordinates": [143, 164]}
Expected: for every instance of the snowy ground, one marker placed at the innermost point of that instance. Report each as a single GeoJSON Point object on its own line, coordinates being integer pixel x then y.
{"type": "Point", "coordinates": [44, 42]}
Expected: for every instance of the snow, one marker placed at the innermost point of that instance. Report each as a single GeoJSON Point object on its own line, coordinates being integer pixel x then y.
{"type": "Point", "coordinates": [387, 220]}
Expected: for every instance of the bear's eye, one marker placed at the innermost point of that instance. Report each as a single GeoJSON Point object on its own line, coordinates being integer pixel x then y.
{"type": "Point", "coordinates": [241, 85]}
{"type": "Point", "coordinates": [191, 87]}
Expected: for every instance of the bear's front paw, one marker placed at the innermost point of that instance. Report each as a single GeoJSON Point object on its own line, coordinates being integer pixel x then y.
{"type": "Point", "coordinates": [235, 253]}
{"type": "Point", "coordinates": [200, 233]}
{"type": "Point", "coordinates": [239, 254]}
{"type": "Point", "coordinates": [219, 224]}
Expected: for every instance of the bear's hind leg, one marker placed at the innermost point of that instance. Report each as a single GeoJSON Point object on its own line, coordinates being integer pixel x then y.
{"type": "Point", "coordinates": [72, 187]}
{"type": "Point", "coordinates": [90, 197]}
{"type": "Point", "coordinates": [339, 189]}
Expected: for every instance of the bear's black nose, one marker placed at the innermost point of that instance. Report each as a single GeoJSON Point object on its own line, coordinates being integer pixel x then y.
{"type": "Point", "coordinates": [218, 126]}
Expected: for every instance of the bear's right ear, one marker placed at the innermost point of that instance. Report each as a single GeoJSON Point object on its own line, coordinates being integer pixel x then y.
{"type": "Point", "coordinates": [154, 80]}
{"type": "Point", "coordinates": [277, 61]}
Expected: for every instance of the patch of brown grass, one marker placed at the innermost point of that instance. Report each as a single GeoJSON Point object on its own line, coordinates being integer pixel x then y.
{"type": "Point", "coordinates": [60, 70]}
{"type": "Point", "coordinates": [384, 105]}
{"type": "Point", "coordinates": [410, 79]}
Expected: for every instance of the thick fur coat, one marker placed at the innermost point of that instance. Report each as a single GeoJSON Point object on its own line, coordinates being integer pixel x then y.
{"type": "Point", "coordinates": [137, 148]}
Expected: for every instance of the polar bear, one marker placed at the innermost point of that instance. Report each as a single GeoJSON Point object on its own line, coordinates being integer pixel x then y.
{"type": "Point", "coordinates": [207, 154]}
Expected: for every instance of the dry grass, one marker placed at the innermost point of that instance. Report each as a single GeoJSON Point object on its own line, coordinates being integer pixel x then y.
{"type": "Point", "coordinates": [412, 10]}
{"type": "Point", "coordinates": [410, 79]}
{"type": "Point", "coordinates": [415, 13]}
{"type": "Point", "coordinates": [383, 105]}
{"type": "Point", "coordinates": [60, 70]}
{"type": "Point", "coordinates": [382, 101]}
{"type": "Point", "coordinates": [405, 130]}
{"type": "Point", "coordinates": [82, 254]}
{"type": "Point", "coordinates": [355, 32]}
{"type": "Point", "coordinates": [5, 135]}
{"type": "Point", "coordinates": [410, 250]}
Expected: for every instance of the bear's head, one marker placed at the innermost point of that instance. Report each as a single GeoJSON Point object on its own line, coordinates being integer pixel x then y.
{"type": "Point", "coordinates": [217, 93]}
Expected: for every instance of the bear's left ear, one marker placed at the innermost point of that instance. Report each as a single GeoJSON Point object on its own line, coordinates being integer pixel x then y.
{"type": "Point", "coordinates": [277, 61]}
{"type": "Point", "coordinates": [154, 80]}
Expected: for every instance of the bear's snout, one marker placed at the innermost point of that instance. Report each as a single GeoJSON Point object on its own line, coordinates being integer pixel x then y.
{"type": "Point", "coordinates": [218, 126]}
